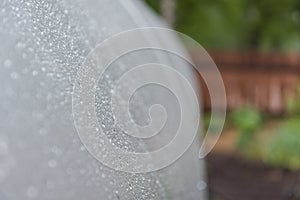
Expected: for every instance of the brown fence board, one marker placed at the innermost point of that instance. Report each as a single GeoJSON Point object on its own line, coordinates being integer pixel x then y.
{"type": "Point", "coordinates": [265, 81]}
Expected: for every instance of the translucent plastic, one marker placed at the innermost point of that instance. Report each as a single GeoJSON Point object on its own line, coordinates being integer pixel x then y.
{"type": "Point", "coordinates": [43, 46]}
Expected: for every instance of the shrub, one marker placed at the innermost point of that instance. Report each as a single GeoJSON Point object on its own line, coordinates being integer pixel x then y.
{"type": "Point", "coordinates": [247, 120]}
{"type": "Point", "coordinates": [284, 148]}
{"type": "Point", "coordinates": [293, 104]}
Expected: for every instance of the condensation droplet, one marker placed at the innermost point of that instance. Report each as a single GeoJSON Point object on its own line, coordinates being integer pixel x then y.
{"type": "Point", "coordinates": [82, 148]}
{"type": "Point", "coordinates": [14, 75]}
{"type": "Point", "coordinates": [82, 171]}
{"type": "Point", "coordinates": [7, 63]}
{"type": "Point", "coordinates": [201, 185]}
{"type": "Point", "coordinates": [3, 148]}
{"type": "Point", "coordinates": [32, 192]}
{"type": "Point", "coordinates": [34, 73]}
{"type": "Point", "coordinates": [52, 163]}
{"type": "Point", "coordinates": [56, 150]}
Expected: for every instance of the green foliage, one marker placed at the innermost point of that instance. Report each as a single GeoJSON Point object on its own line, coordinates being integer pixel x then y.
{"type": "Point", "coordinates": [293, 104]}
{"type": "Point", "coordinates": [247, 120]}
{"type": "Point", "coordinates": [277, 24]}
{"type": "Point", "coordinates": [154, 4]}
{"type": "Point", "coordinates": [284, 148]}
{"type": "Point", "coordinates": [215, 24]}
{"type": "Point", "coordinates": [241, 24]}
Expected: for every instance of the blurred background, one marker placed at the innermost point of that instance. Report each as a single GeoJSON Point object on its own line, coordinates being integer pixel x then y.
{"type": "Point", "coordinates": [255, 44]}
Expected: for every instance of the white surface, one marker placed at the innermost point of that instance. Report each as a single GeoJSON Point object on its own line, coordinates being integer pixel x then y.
{"type": "Point", "coordinates": [43, 44]}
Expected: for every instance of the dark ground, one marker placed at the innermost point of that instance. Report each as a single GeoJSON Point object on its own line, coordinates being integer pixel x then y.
{"type": "Point", "coordinates": [232, 178]}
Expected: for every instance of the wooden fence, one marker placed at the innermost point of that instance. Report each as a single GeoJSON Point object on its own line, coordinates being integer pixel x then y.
{"type": "Point", "coordinates": [265, 81]}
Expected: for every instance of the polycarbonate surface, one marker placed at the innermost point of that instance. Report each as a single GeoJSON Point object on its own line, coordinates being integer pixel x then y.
{"type": "Point", "coordinates": [43, 46]}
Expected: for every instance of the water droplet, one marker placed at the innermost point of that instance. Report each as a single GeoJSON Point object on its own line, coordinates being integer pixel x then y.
{"type": "Point", "coordinates": [14, 75]}
{"type": "Point", "coordinates": [3, 147]}
{"type": "Point", "coordinates": [20, 45]}
{"type": "Point", "coordinates": [82, 171]}
{"type": "Point", "coordinates": [56, 150]}
{"type": "Point", "coordinates": [32, 192]}
{"type": "Point", "coordinates": [34, 73]}
{"type": "Point", "coordinates": [201, 185]}
{"type": "Point", "coordinates": [52, 163]}
{"type": "Point", "coordinates": [82, 148]}
{"type": "Point", "coordinates": [7, 63]}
